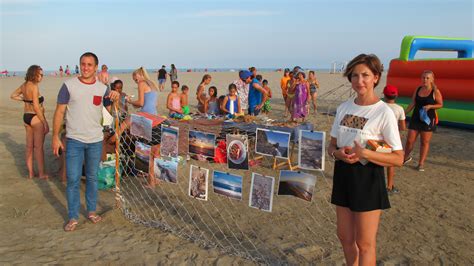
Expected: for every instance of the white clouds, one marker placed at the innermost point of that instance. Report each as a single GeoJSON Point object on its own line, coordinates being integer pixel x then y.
{"type": "Point", "coordinates": [233, 13]}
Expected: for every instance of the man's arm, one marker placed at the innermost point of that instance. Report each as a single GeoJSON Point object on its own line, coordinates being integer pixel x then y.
{"type": "Point", "coordinates": [58, 119]}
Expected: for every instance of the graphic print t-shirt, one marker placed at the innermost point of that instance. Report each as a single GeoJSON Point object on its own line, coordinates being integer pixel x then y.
{"type": "Point", "coordinates": [362, 123]}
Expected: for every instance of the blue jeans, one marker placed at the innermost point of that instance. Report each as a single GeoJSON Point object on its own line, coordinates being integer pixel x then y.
{"type": "Point", "coordinates": [76, 153]}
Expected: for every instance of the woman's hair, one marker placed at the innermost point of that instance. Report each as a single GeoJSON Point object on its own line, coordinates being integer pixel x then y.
{"type": "Point", "coordinates": [172, 66]}
{"type": "Point", "coordinates": [370, 60]}
{"type": "Point", "coordinates": [112, 86]}
{"type": "Point", "coordinates": [215, 91]}
{"type": "Point", "coordinates": [433, 85]}
{"type": "Point", "coordinates": [205, 77]}
{"type": "Point", "coordinates": [232, 86]}
{"type": "Point", "coordinates": [184, 87]}
{"type": "Point", "coordinates": [311, 72]}
{"type": "Point", "coordinates": [32, 73]}
{"type": "Point", "coordinates": [142, 72]}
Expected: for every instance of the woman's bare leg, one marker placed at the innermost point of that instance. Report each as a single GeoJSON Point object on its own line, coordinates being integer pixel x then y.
{"type": "Point", "coordinates": [425, 146]}
{"type": "Point", "coordinates": [29, 151]}
{"type": "Point", "coordinates": [367, 224]}
{"type": "Point", "coordinates": [313, 100]}
{"type": "Point", "coordinates": [38, 143]}
{"type": "Point", "coordinates": [411, 139]}
{"type": "Point", "coordinates": [347, 234]}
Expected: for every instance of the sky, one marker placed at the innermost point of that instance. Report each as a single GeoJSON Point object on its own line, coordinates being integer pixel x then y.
{"type": "Point", "coordinates": [278, 137]}
{"type": "Point", "coordinates": [219, 33]}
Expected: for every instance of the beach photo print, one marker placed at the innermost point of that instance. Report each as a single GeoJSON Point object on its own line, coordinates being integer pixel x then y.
{"type": "Point", "coordinates": [237, 151]}
{"type": "Point", "coordinates": [298, 184]}
{"type": "Point", "coordinates": [202, 143]}
{"type": "Point", "coordinates": [198, 182]}
{"type": "Point", "coordinates": [272, 143]}
{"type": "Point", "coordinates": [141, 126]}
{"type": "Point", "coordinates": [261, 192]}
{"type": "Point", "coordinates": [311, 152]}
{"type": "Point", "coordinates": [227, 185]}
{"type": "Point", "coordinates": [169, 141]}
{"type": "Point", "coordinates": [142, 156]}
{"type": "Point", "coordinates": [166, 170]}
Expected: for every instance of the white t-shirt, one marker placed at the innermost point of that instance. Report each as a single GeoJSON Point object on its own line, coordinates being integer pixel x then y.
{"type": "Point", "coordinates": [362, 123]}
{"type": "Point", "coordinates": [397, 110]}
{"type": "Point", "coordinates": [84, 109]}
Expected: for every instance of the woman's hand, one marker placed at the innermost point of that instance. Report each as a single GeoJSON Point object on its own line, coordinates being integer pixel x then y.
{"type": "Point", "coordinates": [346, 154]}
{"type": "Point", "coordinates": [359, 150]}
{"type": "Point", "coordinates": [427, 107]}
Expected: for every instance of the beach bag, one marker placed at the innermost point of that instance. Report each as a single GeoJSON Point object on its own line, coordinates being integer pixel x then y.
{"type": "Point", "coordinates": [106, 175]}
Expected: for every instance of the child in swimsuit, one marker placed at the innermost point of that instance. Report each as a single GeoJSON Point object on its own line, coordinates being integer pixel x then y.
{"type": "Point", "coordinates": [174, 99]}
{"type": "Point", "coordinates": [184, 99]}
{"type": "Point", "coordinates": [231, 103]}
{"type": "Point", "coordinates": [266, 106]}
{"type": "Point", "coordinates": [212, 102]}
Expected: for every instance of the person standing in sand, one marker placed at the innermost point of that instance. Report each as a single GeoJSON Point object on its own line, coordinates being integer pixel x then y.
{"type": "Point", "coordinates": [81, 99]}
{"type": "Point", "coordinates": [300, 88]}
{"type": "Point", "coordinates": [103, 76]}
{"type": "Point", "coordinates": [162, 77]}
{"type": "Point", "coordinates": [201, 94]}
{"type": "Point", "coordinates": [359, 191]}
{"type": "Point", "coordinates": [173, 73]}
{"type": "Point", "coordinates": [284, 89]}
{"type": "Point", "coordinates": [242, 85]}
{"type": "Point", "coordinates": [427, 98]}
{"type": "Point", "coordinates": [390, 93]}
{"type": "Point", "coordinates": [313, 88]}
{"type": "Point", "coordinates": [35, 123]}
{"type": "Point", "coordinates": [257, 97]}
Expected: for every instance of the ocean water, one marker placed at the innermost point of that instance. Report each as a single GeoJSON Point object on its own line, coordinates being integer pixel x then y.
{"type": "Point", "coordinates": [203, 70]}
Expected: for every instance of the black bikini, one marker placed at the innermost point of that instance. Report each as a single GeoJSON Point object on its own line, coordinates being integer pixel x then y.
{"type": "Point", "coordinates": [27, 117]}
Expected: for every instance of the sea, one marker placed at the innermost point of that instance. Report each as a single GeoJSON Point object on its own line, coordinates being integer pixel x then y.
{"type": "Point", "coordinates": [203, 70]}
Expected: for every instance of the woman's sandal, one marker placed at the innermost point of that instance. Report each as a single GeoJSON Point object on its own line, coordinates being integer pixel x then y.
{"type": "Point", "coordinates": [94, 218]}
{"type": "Point", "coordinates": [71, 225]}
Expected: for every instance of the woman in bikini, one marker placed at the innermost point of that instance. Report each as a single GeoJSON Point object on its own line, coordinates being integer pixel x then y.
{"type": "Point", "coordinates": [35, 123]}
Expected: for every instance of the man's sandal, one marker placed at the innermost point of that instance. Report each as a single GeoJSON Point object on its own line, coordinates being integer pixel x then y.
{"type": "Point", "coordinates": [71, 225]}
{"type": "Point", "coordinates": [94, 218]}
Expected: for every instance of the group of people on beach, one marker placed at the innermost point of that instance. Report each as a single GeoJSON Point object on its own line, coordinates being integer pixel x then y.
{"type": "Point", "coordinates": [359, 190]}
{"type": "Point", "coordinates": [67, 72]}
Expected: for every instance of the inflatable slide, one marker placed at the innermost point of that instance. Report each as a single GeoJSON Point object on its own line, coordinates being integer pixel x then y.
{"type": "Point", "coordinates": [454, 77]}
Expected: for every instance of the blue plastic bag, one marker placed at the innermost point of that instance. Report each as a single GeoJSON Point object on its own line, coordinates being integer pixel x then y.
{"type": "Point", "coordinates": [424, 116]}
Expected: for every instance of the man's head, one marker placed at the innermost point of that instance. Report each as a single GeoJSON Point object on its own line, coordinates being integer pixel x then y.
{"type": "Point", "coordinates": [89, 63]}
{"type": "Point", "coordinates": [163, 66]}
{"type": "Point", "coordinates": [245, 76]}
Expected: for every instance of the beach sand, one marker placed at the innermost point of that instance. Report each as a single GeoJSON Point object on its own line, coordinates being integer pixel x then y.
{"type": "Point", "coordinates": [430, 221]}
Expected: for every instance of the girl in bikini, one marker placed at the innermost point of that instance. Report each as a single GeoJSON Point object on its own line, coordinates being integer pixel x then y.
{"type": "Point", "coordinates": [173, 103]}
{"type": "Point", "coordinates": [35, 123]}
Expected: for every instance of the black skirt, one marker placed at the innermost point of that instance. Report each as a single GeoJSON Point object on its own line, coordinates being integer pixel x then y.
{"type": "Point", "coordinates": [359, 187]}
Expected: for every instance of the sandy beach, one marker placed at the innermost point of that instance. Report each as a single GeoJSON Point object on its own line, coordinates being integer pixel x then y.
{"type": "Point", "coordinates": [430, 222]}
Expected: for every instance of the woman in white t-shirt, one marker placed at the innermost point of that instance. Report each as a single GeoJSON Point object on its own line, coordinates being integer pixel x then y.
{"type": "Point", "coordinates": [359, 191]}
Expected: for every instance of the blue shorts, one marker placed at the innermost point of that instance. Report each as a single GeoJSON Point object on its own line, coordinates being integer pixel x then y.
{"type": "Point", "coordinates": [161, 81]}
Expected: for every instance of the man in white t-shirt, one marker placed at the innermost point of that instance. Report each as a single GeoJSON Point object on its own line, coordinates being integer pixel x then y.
{"type": "Point", "coordinates": [390, 93]}
{"type": "Point", "coordinates": [81, 100]}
